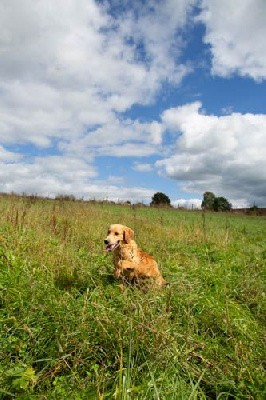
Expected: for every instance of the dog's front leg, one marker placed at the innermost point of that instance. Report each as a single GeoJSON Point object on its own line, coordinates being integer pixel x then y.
{"type": "Point", "coordinates": [123, 267]}
{"type": "Point", "coordinates": [125, 271]}
{"type": "Point", "coordinates": [117, 272]}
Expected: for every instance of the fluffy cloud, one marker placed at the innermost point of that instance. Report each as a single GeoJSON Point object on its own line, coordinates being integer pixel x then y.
{"type": "Point", "coordinates": [223, 154]}
{"type": "Point", "coordinates": [187, 203]}
{"type": "Point", "coordinates": [142, 167]}
{"type": "Point", "coordinates": [8, 156]}
{"type": "Point", "coordinates": [67, 67]}
{"type": "Point", "coordinates": [54, 175]}
{"type": "Point", "coordinates": [45, 175]}
{"type": "Point", "coordinates": [121, 138]}
{"type": "Point", "coordinates": [235, 31]}
{"type": "Point", "coordinates": [68, 71]}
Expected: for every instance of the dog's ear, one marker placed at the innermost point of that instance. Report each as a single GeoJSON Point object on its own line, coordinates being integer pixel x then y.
{"type": "Point", "coordinates": [128, 234]}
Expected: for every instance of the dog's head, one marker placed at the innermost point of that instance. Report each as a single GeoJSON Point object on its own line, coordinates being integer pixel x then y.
{"type": "Point", "coordinates": [117, 234]}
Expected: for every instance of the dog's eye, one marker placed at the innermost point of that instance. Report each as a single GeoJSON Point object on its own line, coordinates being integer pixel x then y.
{"type": "Point", "coordinates": [116, 233]}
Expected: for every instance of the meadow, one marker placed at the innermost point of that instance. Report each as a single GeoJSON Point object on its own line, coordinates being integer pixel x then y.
{"type": "Point", "coordinates": [68, 330]}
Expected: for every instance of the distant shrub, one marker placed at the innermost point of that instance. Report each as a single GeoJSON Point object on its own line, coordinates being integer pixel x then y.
{"type": "Point", "coordinates": [65, 197]}
{"type": "Point", "coordinates": [160, 199]}
{"type": "Point", "coordinates": [212, 203]}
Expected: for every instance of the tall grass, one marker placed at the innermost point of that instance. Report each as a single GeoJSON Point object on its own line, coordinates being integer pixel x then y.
{"type": "Point", "coordinates": [69, 331]}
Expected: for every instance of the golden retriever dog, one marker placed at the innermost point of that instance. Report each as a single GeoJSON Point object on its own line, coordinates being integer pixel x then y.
{"type": "Point", "coordinates": [131, 263]}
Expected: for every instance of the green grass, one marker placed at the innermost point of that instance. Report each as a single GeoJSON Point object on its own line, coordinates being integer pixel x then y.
{"type": "Point", "coordinates": [69, 331]}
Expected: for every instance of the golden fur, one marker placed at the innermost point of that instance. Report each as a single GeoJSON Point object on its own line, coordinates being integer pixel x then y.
{"type": "Point", "coordinates": [131, 263]}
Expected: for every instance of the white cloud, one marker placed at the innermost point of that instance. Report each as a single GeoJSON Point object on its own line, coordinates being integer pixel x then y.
{"type": "Point", "coordinates": [8, 156]}
{"type": "Point", "coordinates": [53, 175]}
{"type": "Point", "coordinates": [119, 138]}
{"type": "Point", "coordinates": [187, 203]}
{"type": "Point", "coordinates": [129, 150]}
{"type": "Point", "coordinates": [235, 31]}
{"type": "Point", "coordinates": [142, 167]}
{"type": "Point", "coordinates": [223, 154]}
{"type": "Point", "coordinates": [46, 175]}
{"type": "Point", "coordinates": [102, 190]}
{"type": "Point", "coordinates": [241, 203]}
{"type": "Point", "coordinates": [66, 67]}
{"type": "Point", "coordinates": [118, 180]}
{"type": "Point", "coordinates": [153, 32]}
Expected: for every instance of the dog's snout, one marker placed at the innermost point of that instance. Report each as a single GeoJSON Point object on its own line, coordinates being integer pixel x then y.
{"type": "Point", "coordinates": [106, 241]}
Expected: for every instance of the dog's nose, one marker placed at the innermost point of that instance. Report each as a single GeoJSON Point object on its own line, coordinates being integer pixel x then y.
{"type": "Point", "coordinates": [106, 241]}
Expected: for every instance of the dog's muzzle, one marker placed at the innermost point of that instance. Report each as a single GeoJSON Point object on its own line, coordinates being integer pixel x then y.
{"type": "Point", "coordinates": [110, 246]}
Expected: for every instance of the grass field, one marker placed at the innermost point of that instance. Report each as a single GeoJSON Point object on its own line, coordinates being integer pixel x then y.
{"type": "Point", "coordinates": [68, 331]}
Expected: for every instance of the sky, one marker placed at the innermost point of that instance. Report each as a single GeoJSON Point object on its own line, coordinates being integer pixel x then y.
{"type": "Point", "coordinates": [118, 100]}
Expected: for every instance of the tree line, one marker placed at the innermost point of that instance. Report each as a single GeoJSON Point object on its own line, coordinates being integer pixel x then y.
{"type": "Point", "coordinates": [210, 202]}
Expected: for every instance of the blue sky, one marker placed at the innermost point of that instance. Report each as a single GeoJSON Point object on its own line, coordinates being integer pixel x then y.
{"type": "Point", "coordinates": [118, 99]}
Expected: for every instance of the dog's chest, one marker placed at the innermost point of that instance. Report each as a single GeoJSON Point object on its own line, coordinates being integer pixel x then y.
{"type": "Point", "coordinates": [125, 253]}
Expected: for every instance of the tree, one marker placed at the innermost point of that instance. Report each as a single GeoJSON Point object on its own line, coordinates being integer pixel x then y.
{"type": "Point", "coordinates": [212, 203]}
{"type": "Point", "coordinates": [160, 199]}
{"type": "Point", "coordinates": [221, 204]}
{"type": "Point", "coordinates": [208, 201]}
